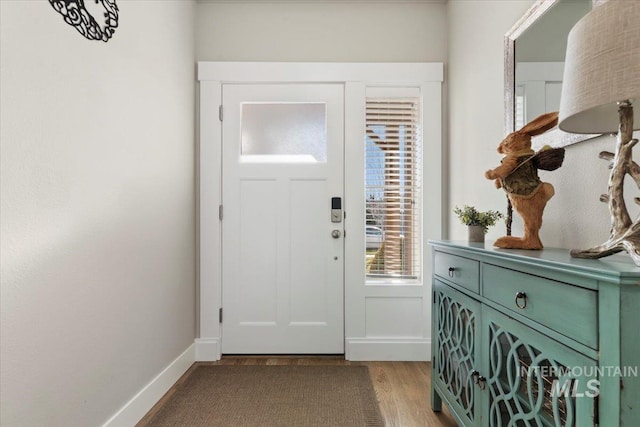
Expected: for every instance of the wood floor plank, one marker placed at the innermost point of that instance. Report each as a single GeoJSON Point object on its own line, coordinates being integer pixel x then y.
{"type": "Point", "coordinates": [402, 388]}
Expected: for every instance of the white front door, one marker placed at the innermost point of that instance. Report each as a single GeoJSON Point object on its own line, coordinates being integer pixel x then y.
{"type": "Point", "coordinates": [282, 256]}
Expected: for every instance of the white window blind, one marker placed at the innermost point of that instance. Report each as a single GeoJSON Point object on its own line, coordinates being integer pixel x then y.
{"type": "Point", "coordinates": [393, 187]}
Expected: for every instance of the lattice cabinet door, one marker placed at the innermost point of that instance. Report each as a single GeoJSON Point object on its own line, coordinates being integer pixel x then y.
{"type": "Point", "coordinates": [529, 380]}
{"type": "Point", "coordinates": [455, 334]}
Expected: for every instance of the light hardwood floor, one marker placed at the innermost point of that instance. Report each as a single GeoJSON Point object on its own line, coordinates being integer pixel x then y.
{"type": "Point", "coordinates": [402, 388]}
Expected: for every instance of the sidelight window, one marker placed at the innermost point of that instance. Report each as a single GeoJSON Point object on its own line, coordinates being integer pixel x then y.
{"type": "Point", "coordinates": [393, 152]}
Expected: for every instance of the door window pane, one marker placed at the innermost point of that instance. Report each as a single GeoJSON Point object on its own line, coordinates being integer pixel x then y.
{"type": "Point", "coordinates": [284, 132]}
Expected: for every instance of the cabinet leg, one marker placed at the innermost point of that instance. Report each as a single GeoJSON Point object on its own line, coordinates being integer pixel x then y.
{"type": "Point", "coordinates": [436, 401]}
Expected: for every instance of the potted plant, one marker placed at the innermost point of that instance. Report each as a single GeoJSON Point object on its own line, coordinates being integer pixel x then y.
{"type": "Point", "coordinates": [478, 222]}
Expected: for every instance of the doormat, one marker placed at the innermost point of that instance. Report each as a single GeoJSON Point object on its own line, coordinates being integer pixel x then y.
{"type": "Point", "coordinates": [274, 396]}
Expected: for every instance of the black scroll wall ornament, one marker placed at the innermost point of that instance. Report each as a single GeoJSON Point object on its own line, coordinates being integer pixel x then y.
{"type": "Point", "coordinates": [75, 14]}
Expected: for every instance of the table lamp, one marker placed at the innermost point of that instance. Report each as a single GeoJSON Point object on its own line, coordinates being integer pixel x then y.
{"type": "Point", "coordinates": [600, 85]}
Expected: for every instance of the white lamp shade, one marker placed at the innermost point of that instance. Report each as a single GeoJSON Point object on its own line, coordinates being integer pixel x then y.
{"type": "Point", "coordinates": [602, 67]}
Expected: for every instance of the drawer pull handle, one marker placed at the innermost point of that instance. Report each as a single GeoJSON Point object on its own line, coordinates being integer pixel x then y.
{"type": "Point", "coordinates": [478, 379]}
{"type": "Point", "coordinates": [521, 300]}
{"type": "Point", "coordinates": [482, 382]}
{"type": "Point", "coordinates": [451, 270]}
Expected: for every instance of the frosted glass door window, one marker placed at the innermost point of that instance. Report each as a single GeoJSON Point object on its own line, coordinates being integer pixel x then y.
{"type": "Point", "coordinates": [284, 132]}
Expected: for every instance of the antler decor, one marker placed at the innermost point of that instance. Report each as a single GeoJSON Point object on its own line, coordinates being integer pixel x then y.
{"type": "Point", "coordinates": [625, 234]}
{"type": "Point", "coordinates": [75, 14]}
{"type": "Point", "coordinates": [600, 83]}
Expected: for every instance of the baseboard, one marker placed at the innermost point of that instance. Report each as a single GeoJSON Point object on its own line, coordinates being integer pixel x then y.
{"type": "Point", "coordinates": [388, 349]}
{"type": "Point", "coordinates": [142, 402]}
{"type": "Point", "coordinates": [208, 349]}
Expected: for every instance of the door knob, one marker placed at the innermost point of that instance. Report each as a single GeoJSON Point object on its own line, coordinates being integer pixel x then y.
{"type": "Point", "coordinates": [336, 234]}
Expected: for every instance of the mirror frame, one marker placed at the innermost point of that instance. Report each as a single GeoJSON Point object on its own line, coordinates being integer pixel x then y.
{"type": "Point", "coordinates": [554, 137]}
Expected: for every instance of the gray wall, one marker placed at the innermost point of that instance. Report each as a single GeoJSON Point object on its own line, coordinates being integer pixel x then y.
{"type": "Point", "coordinates": [476, 102]}
{"type": "Point", "coordinates": [97, 172]}
{"type": "Point", "coordinates": [574, 218]}
{"type": "Point", "coordinates": [321, 31]}
{"type": "Point", "coordinates": [97, 206]}
{"type": "Point", "coordinates": [546, 40]}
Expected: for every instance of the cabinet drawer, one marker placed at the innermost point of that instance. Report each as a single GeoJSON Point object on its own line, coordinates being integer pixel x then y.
{"type": "Point", "coordinates": [567, 309]}
{"type": "Point", "coordinates": [461, 271]}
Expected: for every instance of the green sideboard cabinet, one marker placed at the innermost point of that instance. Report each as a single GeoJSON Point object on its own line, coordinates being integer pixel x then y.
{"type": "Point", "coordinates": [534, 338]}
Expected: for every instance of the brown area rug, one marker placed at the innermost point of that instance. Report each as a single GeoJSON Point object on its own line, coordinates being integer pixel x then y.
{"type": "Point", "coordinates": [270, 396]}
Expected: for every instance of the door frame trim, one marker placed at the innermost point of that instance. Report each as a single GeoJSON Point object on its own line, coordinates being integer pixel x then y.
{"type": "Point", "coordinates": [356, 77]}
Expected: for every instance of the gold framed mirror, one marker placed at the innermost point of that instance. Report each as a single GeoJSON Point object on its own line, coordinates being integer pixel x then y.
{"type": "Point", "coordinates": [533, 65]}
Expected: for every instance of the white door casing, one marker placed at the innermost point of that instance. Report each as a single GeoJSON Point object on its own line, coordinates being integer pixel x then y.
{"type": "Point", "coordinates": [380, 319]}
{"type": "Point", "coordinates": [282, 270]}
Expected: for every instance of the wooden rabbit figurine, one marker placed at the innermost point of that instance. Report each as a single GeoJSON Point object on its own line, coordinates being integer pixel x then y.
{"type": "Point", "coordinates": [518, 176]}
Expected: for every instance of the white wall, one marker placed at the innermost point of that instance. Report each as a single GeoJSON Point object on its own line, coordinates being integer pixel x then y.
{"type": "Point", "coordinates": [476, 103]}
{"type": "Point", "coordinates": [322, 31]}
{"type": "Point", "coordinates": [574, 217]}
{"type": "Point", "coordinates": [97, 199]}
